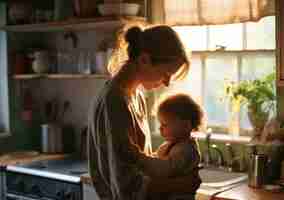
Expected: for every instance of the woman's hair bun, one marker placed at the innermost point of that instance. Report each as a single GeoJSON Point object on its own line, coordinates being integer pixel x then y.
{"type": "Point", "coordinates": [134, 38]}
{"type": "Point", "coordinates": [133, 35]}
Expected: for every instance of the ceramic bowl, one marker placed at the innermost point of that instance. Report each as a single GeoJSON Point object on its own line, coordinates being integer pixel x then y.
{"type": "Point", "coordinates": [109, 9]}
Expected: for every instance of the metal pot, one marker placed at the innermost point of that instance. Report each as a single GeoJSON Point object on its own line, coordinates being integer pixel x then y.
{"type": "Point", "coordinates": [51, 138]}
{"type": "Point", "coordinates": [257, 170]}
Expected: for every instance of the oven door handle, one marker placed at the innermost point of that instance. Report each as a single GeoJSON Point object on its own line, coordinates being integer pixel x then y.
{"type": "Point", "coordinates": [19, 197]}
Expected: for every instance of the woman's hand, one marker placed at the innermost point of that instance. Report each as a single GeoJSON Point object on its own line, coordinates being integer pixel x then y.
{"type": "Point", "coordinates": [185, 184]}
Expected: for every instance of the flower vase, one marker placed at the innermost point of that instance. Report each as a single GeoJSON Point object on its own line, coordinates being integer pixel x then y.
{"type": "Point", "coordinates": [258, 119]}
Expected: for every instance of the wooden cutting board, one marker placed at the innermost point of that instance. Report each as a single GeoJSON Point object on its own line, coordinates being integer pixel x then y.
{"type": "Point", "coordinates": [19, 155]}
{"type": "Point", "coordinates": [27, 157]}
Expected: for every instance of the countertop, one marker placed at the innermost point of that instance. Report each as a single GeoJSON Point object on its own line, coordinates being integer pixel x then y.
{"type": "Point", "coordinates": [17, 158]}
{"type": "Point", "coordinates": [203, 193]}
{"type": "Point", "coordinates": [237, 192]}
{"type": "Point", "coordinates": [243, 192]}
{"type": "Point", "coordinates": [86, 179]}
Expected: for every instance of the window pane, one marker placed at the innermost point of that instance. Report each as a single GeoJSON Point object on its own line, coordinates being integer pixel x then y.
{"type": "Point", "coordinates": [193, 37]}
{"type": "Point", "coordinates": [218, 68]}
{"type": "Point", "coordinates": [261, 35]}
{"type": "Point", "coordinates": [229, 36]}
{"type": "Point", "coordinates": [255, 65]}
{"type": "Point", "coordinates": [192, 83]}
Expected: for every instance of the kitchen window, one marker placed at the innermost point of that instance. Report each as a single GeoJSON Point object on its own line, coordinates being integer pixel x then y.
{"type": "Point", "coordinates": [224, 52]}
{"type": "Point", "coordinates": [4, 102]}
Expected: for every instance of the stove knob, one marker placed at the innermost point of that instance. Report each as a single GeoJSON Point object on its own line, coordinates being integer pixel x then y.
{"type": "Point", "coordinates": [68, 196]}
{"type": "Point", "coordinates": [35, 190]}
{"type": "Point", "coordinates": [60, 195]}
{"type": "Point", "coordinates": [20, 187]}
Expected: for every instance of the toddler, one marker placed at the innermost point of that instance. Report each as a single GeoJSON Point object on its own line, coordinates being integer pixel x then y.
{"type": "Point", "coordinates": [178, 115]}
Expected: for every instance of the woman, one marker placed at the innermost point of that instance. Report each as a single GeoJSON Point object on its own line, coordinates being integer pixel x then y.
{"type": "Point", "coordinates": [119, 128]}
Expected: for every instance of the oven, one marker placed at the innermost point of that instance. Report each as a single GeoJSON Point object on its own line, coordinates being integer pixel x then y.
{"type": "Point", "coordinates": [43, 182]}
{"type": "Point", "coordinates": [2, 182]}
{"type": "Point", "coordinates": [29, 187]}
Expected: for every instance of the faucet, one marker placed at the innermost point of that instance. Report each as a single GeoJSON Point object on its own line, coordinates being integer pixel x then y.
{"type": "Point", "coordinates": [220, 160]}
{"type": "Point", "coordinates": [207, 154]}
{"type": "Point", "coordinates": [233, 161]}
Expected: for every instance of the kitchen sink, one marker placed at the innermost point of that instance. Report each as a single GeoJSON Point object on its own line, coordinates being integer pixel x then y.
{"type": "Point", "coordinates": [218, 178]}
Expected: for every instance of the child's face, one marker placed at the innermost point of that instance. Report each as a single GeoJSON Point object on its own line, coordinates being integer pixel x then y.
{"type": "Point", "coordinates": [172, 128]}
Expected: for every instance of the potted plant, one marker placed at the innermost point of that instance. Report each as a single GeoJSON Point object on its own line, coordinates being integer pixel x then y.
{"type": "Point", "coordinates": [258, 95]}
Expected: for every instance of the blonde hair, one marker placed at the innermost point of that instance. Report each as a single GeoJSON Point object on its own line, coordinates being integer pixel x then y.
{"type": "Point", "coordinates": [160, 42]}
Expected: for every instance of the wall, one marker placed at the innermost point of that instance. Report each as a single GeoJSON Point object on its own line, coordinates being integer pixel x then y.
{"type": "Point", "coordinates": [80, 92]}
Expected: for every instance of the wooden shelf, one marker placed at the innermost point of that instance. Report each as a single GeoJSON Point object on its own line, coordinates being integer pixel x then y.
{"type": "Point", "coordinates": [59, 76]}
{"type": "Point", "coordinates": [75, 24]}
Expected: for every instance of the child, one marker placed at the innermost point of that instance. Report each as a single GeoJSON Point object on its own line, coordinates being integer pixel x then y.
{"type": "Point", "coordinates": [179, 115]}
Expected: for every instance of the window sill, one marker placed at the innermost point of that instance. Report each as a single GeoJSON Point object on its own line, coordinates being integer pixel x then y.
{"type": "Point", "coordinates": [223, 138]}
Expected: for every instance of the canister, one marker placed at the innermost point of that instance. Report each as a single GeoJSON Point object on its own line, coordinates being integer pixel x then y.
{"type": "Point", "coordinates": [257, 170]}
{"type": "Point", "coordinates": [51, 138]}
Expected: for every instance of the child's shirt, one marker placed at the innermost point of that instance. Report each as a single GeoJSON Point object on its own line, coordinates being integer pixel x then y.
{"type": "Point", "coordinates": [184, 156]}
{"type": "Point", "coordinates": [174, 159]}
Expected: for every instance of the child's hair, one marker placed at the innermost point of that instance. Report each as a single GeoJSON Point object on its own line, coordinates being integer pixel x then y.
{"type": "Point", "coordinates": [183, 107]}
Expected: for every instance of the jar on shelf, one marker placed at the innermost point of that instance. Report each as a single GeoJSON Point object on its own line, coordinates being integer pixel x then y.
{"type": "Point", "coordinates": [22, 63]}
{"type": "Point", "coordinates": [40, 61]}
{"type": "Point", "coordinates": [86, 8]}
{"type": "Point", "coordinates": [19, 12]}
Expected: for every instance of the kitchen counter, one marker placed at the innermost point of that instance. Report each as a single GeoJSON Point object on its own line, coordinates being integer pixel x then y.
{"type": "Point", "coordinates": [11, 158]}
{"type": "Point", "coordinates": [237, 192]}
{"type": "Point", "coordinates": [243, 192]}
{"type": "Point", "coordinates": [86, 179]}
{"type": "Point", "coordinates": [203, 193]}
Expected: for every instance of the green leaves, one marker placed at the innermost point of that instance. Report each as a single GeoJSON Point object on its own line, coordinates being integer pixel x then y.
{"type": "Point", "coordinates": [259, 93]}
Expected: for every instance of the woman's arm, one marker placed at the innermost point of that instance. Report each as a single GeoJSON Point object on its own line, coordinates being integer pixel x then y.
{"type": "Point", "coordinates": [162, 172]}
{"type": "Point", "coordinates": [181, 159]}
{"type": "Point", "coordinates": [184, 184]}
{"type": "Point", "coordinates": [155, 167]}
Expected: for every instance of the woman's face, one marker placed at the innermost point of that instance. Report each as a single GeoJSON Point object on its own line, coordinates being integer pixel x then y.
{"type": "Point", "coordinates": [155, 76]}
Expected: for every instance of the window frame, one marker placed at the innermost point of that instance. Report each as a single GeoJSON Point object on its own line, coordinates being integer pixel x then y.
{"type": "Point", "coordinates": [239, 56]}
{"type": "Point", "coordinates": [280, 41]}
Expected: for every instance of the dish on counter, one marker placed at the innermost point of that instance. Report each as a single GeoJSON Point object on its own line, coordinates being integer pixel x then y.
{"type": "Point", "coordinates": [19, 154]}
{"type": "Point", "coordinates": [273, 188]}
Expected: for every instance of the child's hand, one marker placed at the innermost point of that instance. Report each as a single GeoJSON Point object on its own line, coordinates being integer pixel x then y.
{"type": "Point", "coordinates": [154, 154]}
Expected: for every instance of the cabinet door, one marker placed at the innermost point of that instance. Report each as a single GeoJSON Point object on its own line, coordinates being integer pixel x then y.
{"type": "Point", "coordinates": [2, 184]}
{"type": "Point", "coordinates": [280, 41]}
{"type": "Point", "coordinates": [89, 193]}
